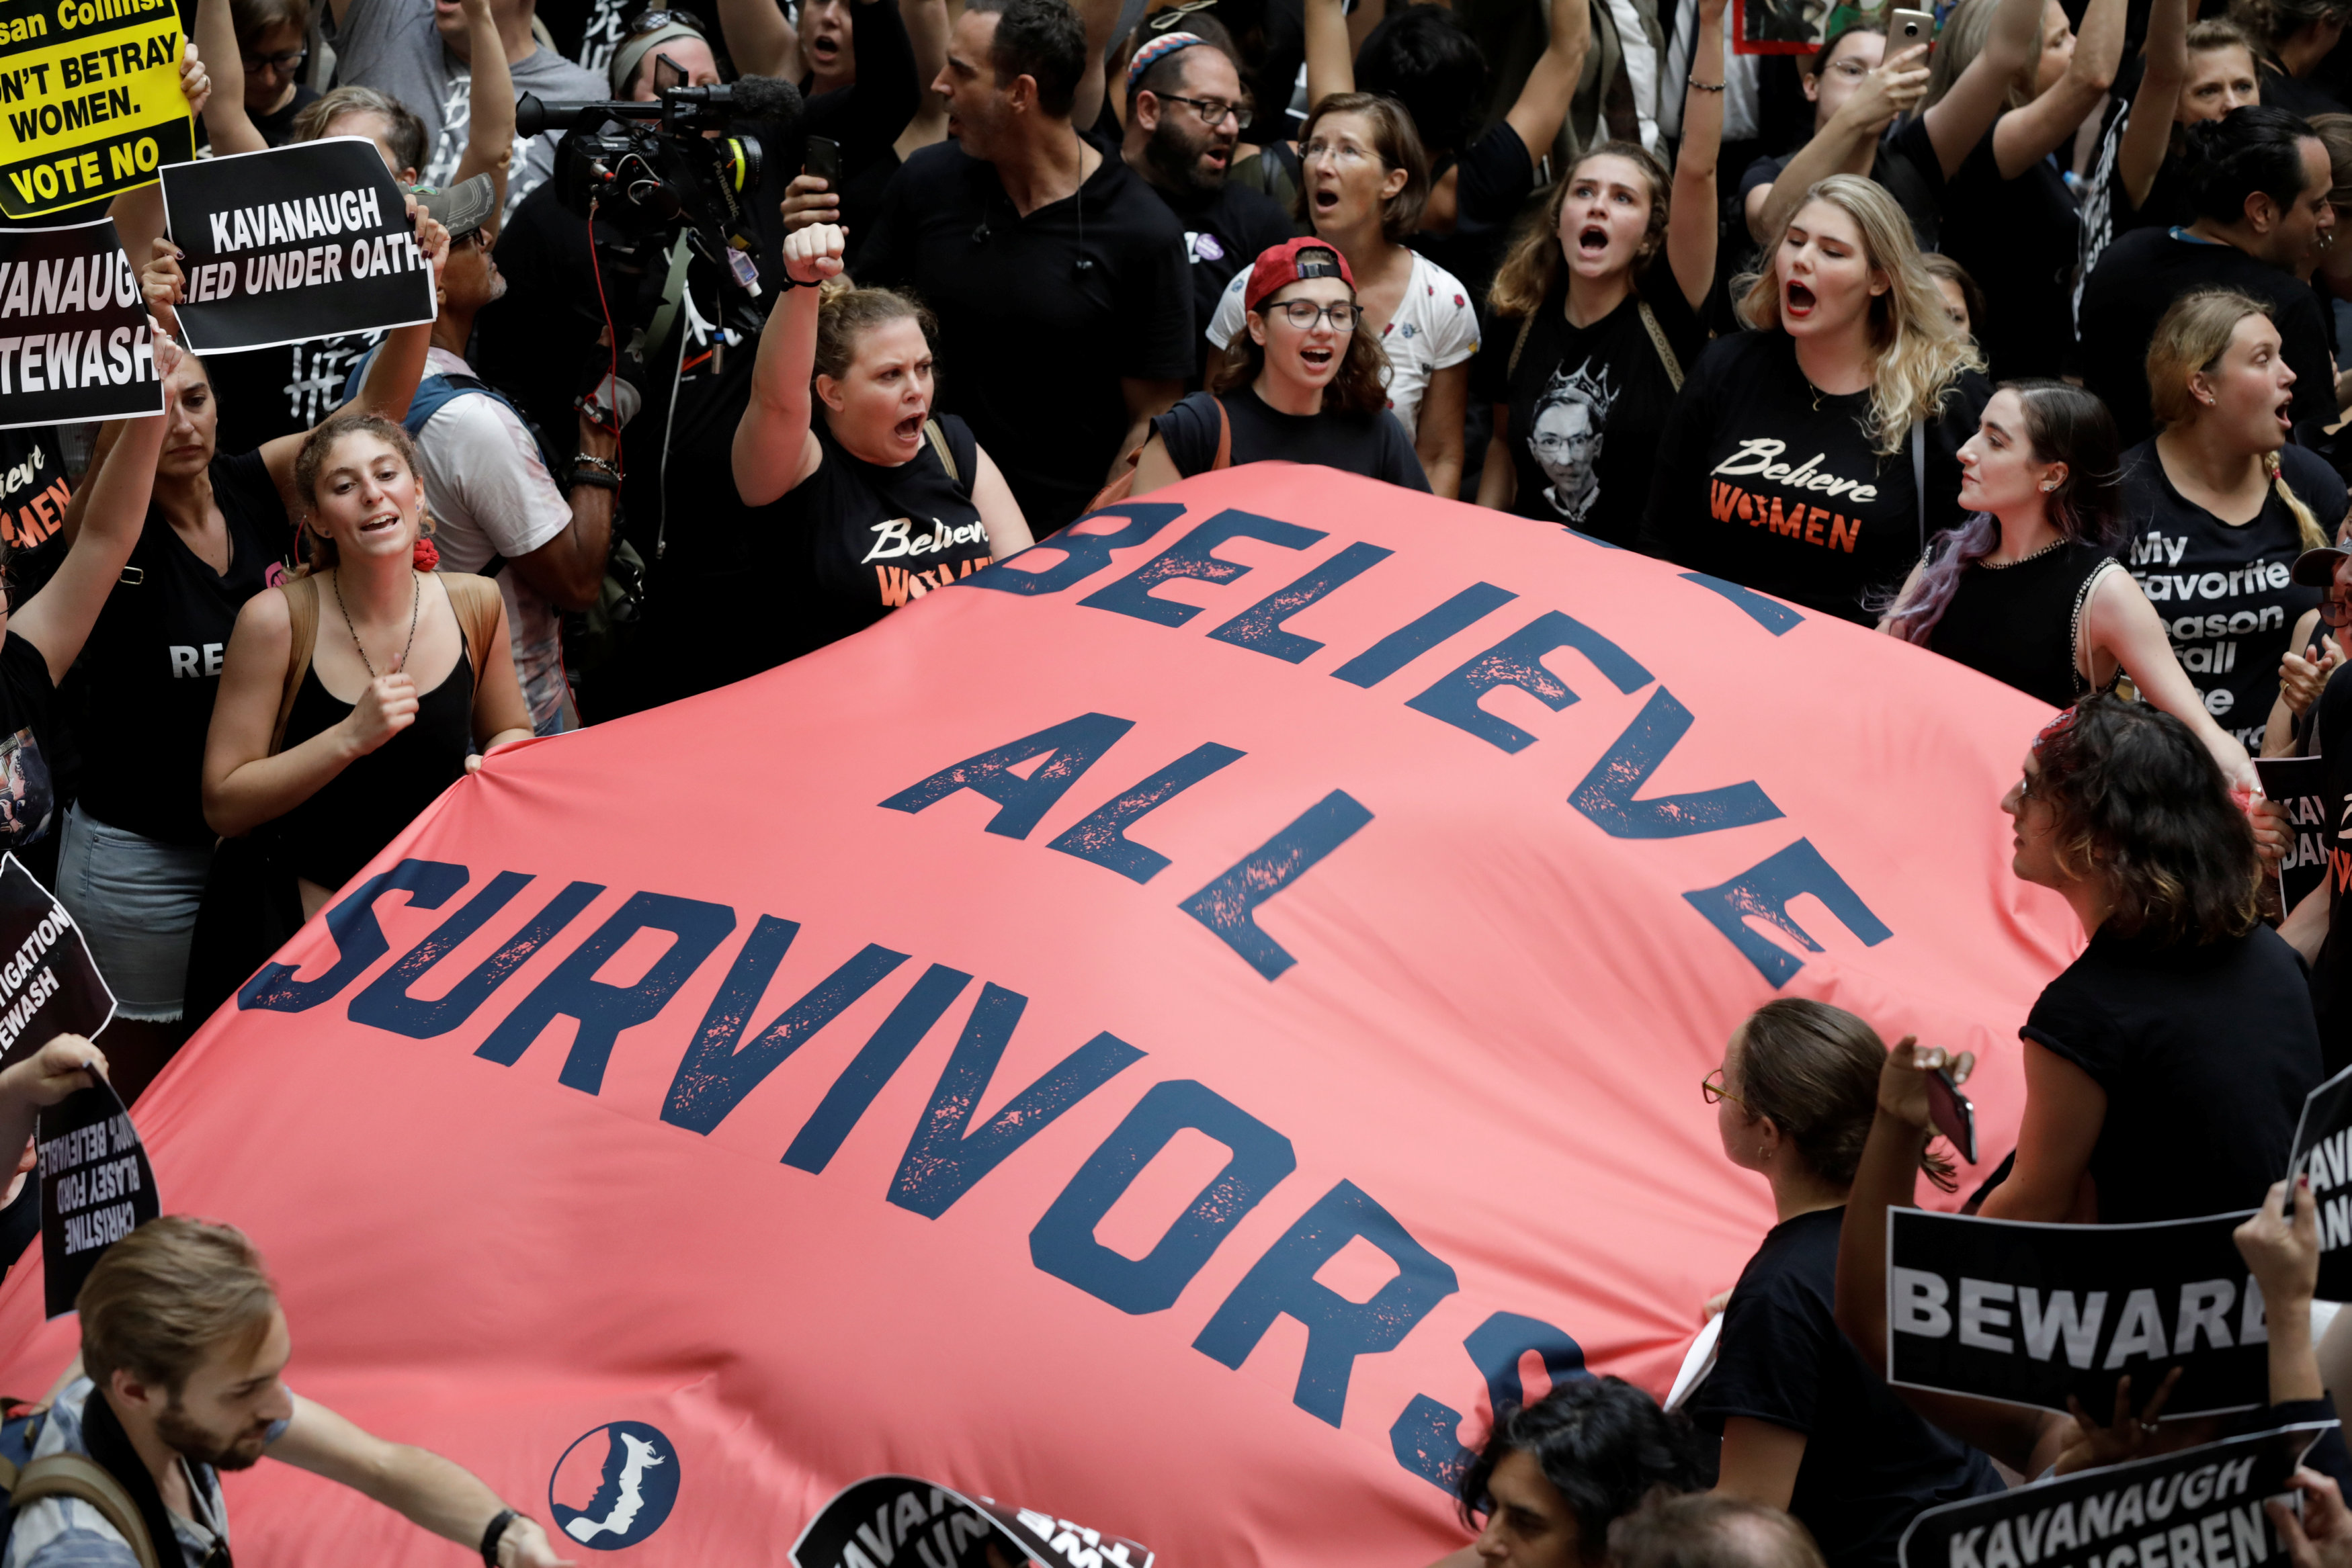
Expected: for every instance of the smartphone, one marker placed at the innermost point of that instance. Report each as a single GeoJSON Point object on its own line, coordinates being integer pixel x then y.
{"type": "Point", "coordinates": [1906, 28]}
{"type": "Point", "coordinates": [1954, 1116]}
{"type": "Point", "coordinates": [824, 160]}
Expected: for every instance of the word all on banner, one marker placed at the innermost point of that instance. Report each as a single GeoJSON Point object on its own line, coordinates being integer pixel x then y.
{"type": "Point", "coordinates": [89, 101]}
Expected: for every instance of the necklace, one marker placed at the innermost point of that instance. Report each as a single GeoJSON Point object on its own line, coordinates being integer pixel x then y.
{"type": "Point", "coordinates": [415, 598]}
{"type": "Point", "coordinates": [2020, 561]}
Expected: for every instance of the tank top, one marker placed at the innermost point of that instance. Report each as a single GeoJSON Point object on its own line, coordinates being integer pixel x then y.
{"type": "Point", "coordinates": [2021, 623]}
{"type": "Point", "coordinates": [328, 837]}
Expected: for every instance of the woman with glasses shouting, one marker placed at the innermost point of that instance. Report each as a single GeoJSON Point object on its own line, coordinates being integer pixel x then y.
{"type": "Point", "coordinates": [1301, 382]}
{"type": "Point", "coordinates": [271, 43]}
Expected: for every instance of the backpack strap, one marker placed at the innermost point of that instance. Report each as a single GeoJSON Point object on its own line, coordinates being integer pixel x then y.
{"type": "Point", "coordinates": [84, 1480]}
{"type": "Point", "coordinates": [1519, 346]}
{"type": "Point", "coordinates": [477, 605]}
{"type": "Point", "coordinates": [1919, 475]}
{"type": "Point", "coordinates": [1657, 340]}
{"type": "Point", "coordinates": [938, 439]}
{"type": "Point", "coordinates": [303, 619]}
{"type": "Point", "coordinates": [1224, 436]}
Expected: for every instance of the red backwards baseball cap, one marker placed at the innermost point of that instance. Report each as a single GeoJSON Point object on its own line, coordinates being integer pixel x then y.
{"type": "Point", "coordinates": [1282, 264]}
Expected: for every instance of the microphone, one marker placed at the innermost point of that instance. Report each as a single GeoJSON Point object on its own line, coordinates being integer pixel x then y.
{"type": "Point", "coordinates": [752, 98]}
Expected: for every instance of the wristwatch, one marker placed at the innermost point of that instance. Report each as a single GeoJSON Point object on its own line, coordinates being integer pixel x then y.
{"type": "Point", "coordinates": [494, 1534]}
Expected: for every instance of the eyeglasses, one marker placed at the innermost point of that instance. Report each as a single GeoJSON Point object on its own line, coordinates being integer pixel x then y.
{"type": "Point", "coordinates": [1339, 151]}
{"type": "Point", "coordinates": [1303, 313]}
{"type": "Point", "coordinates": [654, 21]}
{"type": "Point", "coordinates": [1560, 445]}
{"type": "Point", "coordinates": [1712, 1091]}
{"type": "Point", "coordinates": [1159, 22]}
{"type": "Point", "coordinates": [1213, 112]}
{"type": "Point", "coordinates": [286, 62]}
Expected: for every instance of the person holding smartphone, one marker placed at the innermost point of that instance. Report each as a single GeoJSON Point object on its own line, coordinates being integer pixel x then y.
{"type": "Point", "coordinates": [1807, 1424]}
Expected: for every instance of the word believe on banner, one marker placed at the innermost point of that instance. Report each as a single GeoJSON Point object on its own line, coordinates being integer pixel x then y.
{"type": "Point", "coordinates": [869, 1522]}
{"type": "Point", "coordinates": [2029, 1313]}
{"type": "Point", "coordinates": [74, 342]}
{"type": "Point", "coordinates": [97, 1188]}
{"type": "Point", "coordinates": [2199, 1507]}
{"type": "Point", "coordinates": [89, 101]}
{"type": "Point", "coordinates": [295, 243]}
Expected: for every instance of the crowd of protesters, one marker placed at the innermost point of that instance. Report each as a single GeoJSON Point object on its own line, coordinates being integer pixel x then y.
{"type": "Point", "coordinates": [2022, 345]}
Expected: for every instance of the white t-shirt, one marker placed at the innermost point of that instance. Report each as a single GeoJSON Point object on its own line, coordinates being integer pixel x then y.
{"type": "Point", "coordinates": [490, 496]}
{"type": "Point", "coordinates": [1434, 329]}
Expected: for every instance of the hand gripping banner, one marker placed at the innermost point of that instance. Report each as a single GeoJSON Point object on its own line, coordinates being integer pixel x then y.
{"type": "Point", "coordinates": [1171, 1030]}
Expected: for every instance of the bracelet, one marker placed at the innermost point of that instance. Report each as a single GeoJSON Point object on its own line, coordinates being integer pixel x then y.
{"type": "Point", "coordinates": [491, 1537]}
{"type": "Point", "coordinates": [594, 480]}
{"type": "Point", "coordinates": [602, 464]}
{"type": "Point", "coordinates": [792, 282]}
{"type": "Point", "coordinates": [1705, 86]}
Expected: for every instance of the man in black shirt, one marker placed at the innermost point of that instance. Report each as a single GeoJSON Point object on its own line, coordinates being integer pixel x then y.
{"type": "Point", "coordinates": [2263, 215]}
{"type": "Point", "coordinates": [1185, 98]}
{"type": "Point", "coordinates": [1065, 315]}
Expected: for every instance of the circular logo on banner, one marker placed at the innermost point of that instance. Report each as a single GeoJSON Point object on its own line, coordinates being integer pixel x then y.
{"type": "Point", "coordinates": [614, 1486]}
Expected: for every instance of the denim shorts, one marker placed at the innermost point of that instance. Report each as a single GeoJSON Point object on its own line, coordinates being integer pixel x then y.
{"type": "Point", "coordinates": [135, 900]}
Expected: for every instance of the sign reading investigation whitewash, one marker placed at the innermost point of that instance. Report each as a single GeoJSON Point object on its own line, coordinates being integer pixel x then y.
{"type": "Point", "coordinates": [49, 984]}
{"type": "Point", "coordinates": [89, 101]}
{"type": "Point", "coordinates": [74, 343]}
{"type": "Point", "coordinates": [295, 243]}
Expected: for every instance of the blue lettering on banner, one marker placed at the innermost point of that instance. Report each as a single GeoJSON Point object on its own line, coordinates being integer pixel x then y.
{"type": "Point", "coordinates": [1607, 794]}
{"type": "Point", "coordinates": [1259, 627]}
{"type": "Point", "coordinates": [1427, 1439]}
{"type": "Point", "coordinates": [603, 1010]}
{"type": "Point", "coordinates": [819, 1137]}
{"type": "Point", "coordinates": [1069, 748]}
{"type": "Point", "coordinates": [1082, 555]}
{"type": "Point", "coordinates": [1518, 661]}
{"type": "Point", "coordinates": [359, 939]}
{"type": "Point", "coordinates": [717, 1070]}
{"type": "Point", "coordinates": [1193, 555]}
{"type": "Point", "coordinates": [945, 1157]}
{"type": "Point", "coordinates": [1229, 905]}
{"type": "Point", "coordinates": [1770, 613]}
{"type": "Point", "coordinates": [1763, 891]}
{"type": "Point", "coordinates": [1064, 1242]}
{"type": "Point", "coordinates": [1101, 836]}
{"type": "Point", "coordinates": [1419, 636]}
{"type": "Point", "coordinates": [1282, 1284]}
{"type": "Point", "coordinates": [386, 1003]}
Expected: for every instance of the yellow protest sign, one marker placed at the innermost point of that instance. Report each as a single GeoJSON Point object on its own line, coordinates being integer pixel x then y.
{"type": "Point", "coordinates": [89, 101]}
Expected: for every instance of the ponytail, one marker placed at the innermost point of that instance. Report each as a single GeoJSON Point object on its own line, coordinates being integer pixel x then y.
{"type": "Point", "coordinates": [2314, 536]}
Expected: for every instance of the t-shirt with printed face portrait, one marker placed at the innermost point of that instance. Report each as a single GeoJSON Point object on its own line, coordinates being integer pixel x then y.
{"type": "Point", "coordinates": [2224, 591]}
{"type": "Point", "coordinates": [1771, 483]}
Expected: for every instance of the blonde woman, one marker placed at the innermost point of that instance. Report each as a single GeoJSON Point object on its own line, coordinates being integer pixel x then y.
{"type": "Point", "coordinates": [2217, 505]}
{"type": "Point", "coordinates": [1793, 461]}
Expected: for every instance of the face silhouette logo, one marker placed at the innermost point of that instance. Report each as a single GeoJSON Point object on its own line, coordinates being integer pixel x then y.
{"type": "Point", "coordinates": [614, 1486]}
{"type": "Point", "coordinates": [1566, 441]}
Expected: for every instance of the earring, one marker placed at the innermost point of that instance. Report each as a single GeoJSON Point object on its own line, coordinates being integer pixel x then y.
{"type": "Point", "coordinates": [2048, 486]}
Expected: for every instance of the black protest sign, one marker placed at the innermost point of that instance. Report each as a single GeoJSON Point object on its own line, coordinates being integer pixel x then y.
{"type": "Point", "coordinates": [74, 343]}
{"type": "Point", "coordinates": [869, 1522]}
{"type": "Point", "coordinates": [2199, 1507]}
{"type": "Point", "coordinates": [2323, 1147]}
{"type": "Point", "coordinates": [89, 101]}
{"type": "Point", "coordinates": [2299, 786]}
{"type": "Point", "coordinates": [2028, 1313]}
{"type": "Point", "coordinates": [295, 243]}
{"type": "Point", "coordinates": [97, 1187]}
{"type": "Point", "coordinates": [49, 984]}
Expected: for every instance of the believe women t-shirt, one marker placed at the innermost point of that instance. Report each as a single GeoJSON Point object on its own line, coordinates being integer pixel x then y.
{"type": "Point", "coordinates": [1769, 482]}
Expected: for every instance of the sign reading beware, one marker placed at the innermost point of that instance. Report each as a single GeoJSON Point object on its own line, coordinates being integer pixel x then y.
{"type": "Point", "coordinates": [89, 101]}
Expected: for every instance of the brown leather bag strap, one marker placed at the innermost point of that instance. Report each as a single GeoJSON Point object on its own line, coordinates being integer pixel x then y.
{"type": "Point", "coordinates": [1224, 435]}
{"type": "Point", "coordinates": [83, 1478]}
{"type": "Point", "coordinates": [302, 620]}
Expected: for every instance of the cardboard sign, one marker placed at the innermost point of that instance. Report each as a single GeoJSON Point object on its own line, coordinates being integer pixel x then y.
{"type": "Point", "coordinates": [872, 1522]}
{"type": "Point", "coordinates": [2299, 784]}
{"type": "Point", "coordinates": [97, 1187]}
{"type": "Point", "coordinates": [89, 101]}
{"type": "Point", "coordinates": [74, 341]}
{"type": "Point", "coordinates": [294, 243]}
{"type": "Point", "coordinates": [49, 984]}
{"type": "Point", "coordinates": [2323, 1147]}
{"type": "Point", "coordinates": [2028, 1313]}
{"type": "Point", "coordinates": [2203, 1503]}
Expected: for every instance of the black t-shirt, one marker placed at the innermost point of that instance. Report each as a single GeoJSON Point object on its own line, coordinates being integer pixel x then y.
{"type": "Point", "coordinates": [263, 393]}
{"type": "Point", "coordinates": [1763, 483]}
{"type": "Point", "coordinates": [1588, 403]}
{"type": "Point", "coordinates": [153, 662]}
{"type": "Point", "coordinates": [2019, 239]}
{"type": "Point", "coordinates": [2205, 1052]}
{"type": "Point", "coordinates": [859, 541]}
{"type": "Point", "coordinates": [1224, 231]}
{"type": "Point", "coordinates": [1904, 166]}
{"type": "Point", "coordinates": [2136, 282]}
{"type": "Point", "coordinates": [1371, 443]}
{"type": "Point", "coordinates": [1871, 1464]}
{"type": "Point", "coordinates": [867, 117]}
{"type": "Point", "coordinates": [537, 340]}
{"type": "Point", "coordinates": [587, 32]}
{"type": "Point", "coordinates": [1493, 180]}
{"type": "Point", "coordinates": [29, 740]}
{"type": "Point", "coordinates": [33, 497]}
{"type": "Point", "coordinates": [2107, 210]}
{"type": "Point", "coordinates": [1032, 344]}
{"type": "Point", "coordinates": [2224, 592]}
{"type": "Point", "coordinates": [2295, 94]}
{"type": "Point", "coordinates": [2331, 977]}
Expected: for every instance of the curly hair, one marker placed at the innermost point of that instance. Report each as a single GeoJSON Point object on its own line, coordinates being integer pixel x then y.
{"type": "Point", "coordinates": [2135, 799]}
{"type": "Point", "coordinates": [1531, 270]}
{"type": "Point", "coordinates": [319, 550]}
{"type": "Point", "coordinates": [1359, 386]}
{"type": "Point", "coordinates": [1813, 1068]}
{"type": "Point", "coordinates": [1604, 1445]}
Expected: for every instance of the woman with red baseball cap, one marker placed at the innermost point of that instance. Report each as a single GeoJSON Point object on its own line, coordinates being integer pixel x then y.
{"type": "Point", "coordinates": [1306, 382]}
